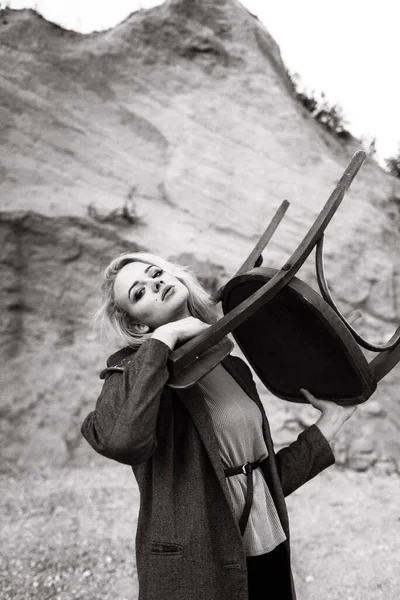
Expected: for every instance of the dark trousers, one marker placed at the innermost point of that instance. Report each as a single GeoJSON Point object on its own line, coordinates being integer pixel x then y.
{"type": "Point", "coordinates": [268, 576]}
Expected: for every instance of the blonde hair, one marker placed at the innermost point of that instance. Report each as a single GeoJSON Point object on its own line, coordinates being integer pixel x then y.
{"type": "Point", "coordinates": [110, 315]}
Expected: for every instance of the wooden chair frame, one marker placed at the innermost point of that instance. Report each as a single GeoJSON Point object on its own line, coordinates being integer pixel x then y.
{"type": "Point", "coordinates": [192, 360]}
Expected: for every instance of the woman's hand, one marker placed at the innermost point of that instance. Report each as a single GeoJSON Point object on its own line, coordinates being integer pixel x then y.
{"type": "Point", "coordinates": [178, 332]}
{"type": "Point", "coordinates": [325, 406]}
{"type": "Point", "coordinates": [333, 415]}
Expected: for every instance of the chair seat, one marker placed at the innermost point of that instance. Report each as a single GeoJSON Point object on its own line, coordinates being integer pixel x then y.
{"type": "Point", "coordinates": [296, 340]}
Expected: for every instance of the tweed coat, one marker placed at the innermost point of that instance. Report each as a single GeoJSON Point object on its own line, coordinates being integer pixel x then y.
{"type": "Point", "coordinates": [188, 543]}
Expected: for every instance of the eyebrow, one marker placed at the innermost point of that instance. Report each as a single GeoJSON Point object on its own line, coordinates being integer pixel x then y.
{"type": "Point", "coordinates": [147, 269]}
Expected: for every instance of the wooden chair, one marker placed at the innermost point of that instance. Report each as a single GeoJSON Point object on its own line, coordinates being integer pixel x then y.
{"type": "Point", "coordinates": [292, 336]}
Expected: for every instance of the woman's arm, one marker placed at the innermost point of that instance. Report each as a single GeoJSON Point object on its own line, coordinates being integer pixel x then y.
{"type": "Point", "coordinates": [303, 459]}
{"type": "Point", "coordinates": [123, 424]}
{"type": "Point", "coordinates": [311, 453]}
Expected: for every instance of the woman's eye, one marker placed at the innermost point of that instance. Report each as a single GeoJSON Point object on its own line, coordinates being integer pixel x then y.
{"type": "Point", "coordinates": [139, 294]}
{"type": "Point", "coordinates": [157, 273]}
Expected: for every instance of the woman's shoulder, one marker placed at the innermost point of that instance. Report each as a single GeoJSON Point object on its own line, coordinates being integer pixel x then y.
{"type": "Point", "coordinates": [117, 361]}
{"type": "Point", "coordinates": [152, 351]}
{"type": "Point", "coordinates": [120, 356]}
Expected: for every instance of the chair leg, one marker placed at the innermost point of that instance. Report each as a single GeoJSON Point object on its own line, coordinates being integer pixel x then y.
{"type": "Point", "coordinates": [255, 259]}
{"type": "Point", "coordinates": [385, 362]}
{"type": "Point", "coordinates": [326, 294]}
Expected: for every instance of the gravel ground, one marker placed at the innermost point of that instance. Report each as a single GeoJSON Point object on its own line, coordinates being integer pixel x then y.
{"type": "Point", "coordinates": [68, 535]}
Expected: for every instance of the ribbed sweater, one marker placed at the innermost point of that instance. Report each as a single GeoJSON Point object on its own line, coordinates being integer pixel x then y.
{"type": "Point", "coordinates": [237, 422]}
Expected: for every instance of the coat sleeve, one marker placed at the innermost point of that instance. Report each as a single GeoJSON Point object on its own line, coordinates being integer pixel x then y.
{"type": "Point", "coordinates": [123, 425]}
{"type": "Point", "coordinates": [304, 458]}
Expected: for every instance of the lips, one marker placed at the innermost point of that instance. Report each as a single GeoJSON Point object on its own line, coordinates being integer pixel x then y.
{"type": "Point", "coordinates": [166, 290]}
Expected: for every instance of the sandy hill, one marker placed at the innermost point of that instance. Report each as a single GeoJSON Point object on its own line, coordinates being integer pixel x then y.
{"type": "Point", "coordinates": [177, 132]}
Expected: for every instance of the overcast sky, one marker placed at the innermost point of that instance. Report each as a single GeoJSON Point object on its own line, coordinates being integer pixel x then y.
{"type": "Point", "coordinates": [350, 49]}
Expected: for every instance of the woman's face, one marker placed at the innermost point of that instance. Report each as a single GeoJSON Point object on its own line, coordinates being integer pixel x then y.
{"type": "Point", "coordinates": [151, 296]}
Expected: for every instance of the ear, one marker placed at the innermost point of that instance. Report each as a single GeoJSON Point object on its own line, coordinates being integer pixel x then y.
{"type": "Point", "coordinates": [140, 328]}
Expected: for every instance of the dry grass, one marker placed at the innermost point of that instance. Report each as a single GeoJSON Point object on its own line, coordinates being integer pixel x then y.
{"type": "Point", "coordinates": [69, 534]}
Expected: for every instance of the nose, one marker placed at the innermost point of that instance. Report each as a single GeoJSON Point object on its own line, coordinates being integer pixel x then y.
{"type": "Point", "coordinates": [157, 284]}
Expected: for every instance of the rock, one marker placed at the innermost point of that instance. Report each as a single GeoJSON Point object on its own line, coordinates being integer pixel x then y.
{"type": "Point", "coordinates": [340, 449]}
{"type": "Point", "coordinates": [361, 461]}
{"type": "Point", "coordinates": [385, 467]}
{"type": "Point", "coordinates": [373, 408]}
{"type": "Point", "coordinates": [362, 454]}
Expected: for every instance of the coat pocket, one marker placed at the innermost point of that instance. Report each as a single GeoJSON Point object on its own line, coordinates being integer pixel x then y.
{"type": "Point", "coordinates": [166, 548]}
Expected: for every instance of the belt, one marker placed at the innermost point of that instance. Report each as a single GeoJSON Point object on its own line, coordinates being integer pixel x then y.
{"type": "Point", "coordinates": [246, 469]}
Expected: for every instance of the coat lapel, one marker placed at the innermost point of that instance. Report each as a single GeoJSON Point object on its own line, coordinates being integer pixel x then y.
{"type": "Point", "coordinates": [194, 403]}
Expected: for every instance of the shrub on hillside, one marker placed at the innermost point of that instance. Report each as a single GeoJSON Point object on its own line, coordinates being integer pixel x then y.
{"type": "Point", "coordinates": [369, 145]}
{"type": "Point", "coordinates": [329, 115]}
{"type": "Point", "coordinates": [126, 214]}
{"type": "Point", "coordinates": [393, 164]}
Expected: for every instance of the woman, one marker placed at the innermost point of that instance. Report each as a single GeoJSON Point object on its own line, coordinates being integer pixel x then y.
{"type": "Point", "coordinates": [212, 522]}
